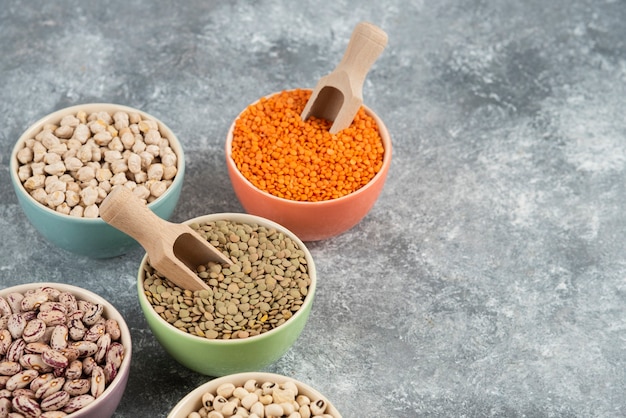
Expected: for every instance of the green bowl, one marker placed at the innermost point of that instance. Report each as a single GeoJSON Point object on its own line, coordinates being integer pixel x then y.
{"type": "Point", "coordinates": [91, 237]}
{"type": "Point", "coordinates": [217, 357]}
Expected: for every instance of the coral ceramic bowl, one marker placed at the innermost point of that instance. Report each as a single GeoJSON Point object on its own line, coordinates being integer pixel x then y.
{"type": "Point", "coordinates": [104, 405]}
{"type": "Point", "coordinates": [311, 221]}
{"type": "Point", "coordinates": [218, 357]}
{"type": "Point", "coordinates": [193, 401]}
{"type": "Point", "coordinates": [90, 237]}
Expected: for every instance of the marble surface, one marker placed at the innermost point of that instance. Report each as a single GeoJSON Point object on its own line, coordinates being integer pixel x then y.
{"type": "Point", "coordinates": [490, 277]}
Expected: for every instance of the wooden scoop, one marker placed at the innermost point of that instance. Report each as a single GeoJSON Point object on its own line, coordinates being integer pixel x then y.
{"type": "Point", "coordinates": [338, 96]}
{"type": "Point", "coordinates": [174, 249]}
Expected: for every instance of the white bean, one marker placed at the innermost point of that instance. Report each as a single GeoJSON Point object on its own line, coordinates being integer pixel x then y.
{"type": "Point", "coordinates": [63, 208]}
{"type": "Point", "coordinates": [168, 159]}
{"type": "Point", "coordinates": [96, 126]}
{"type": "Point", "coordinates": [121, 120]}
{"type": "Point", "coordinates": [81, 133]}
{"type": "Point", "coordinates": [305, 411]}
{"type": "Point", "coordinates": [91, 211]}
{"type": "Point", "coordinates": [152, 137]}
{"type": "Point", "coordinates": [112, 155]}
{"type": "Point", "coordinates": [146, 159]}
{"type": "Point", "coordinates": [70, 120]}
{"type": "Point", "coordinates": [38, 151]}
{"type": "Point", "coordinates": [37, 168]}
{"type": "Point", "coordinates": [86, 173]}
{"type": "Point", "coordinates": [155, 172]}
{"type": "Point", "coordinates": [64, 132]}
{"type": "Point", "coordinates": [77, 211]}
{"type": "Point", "coordinates": [103, 174]}
{"type": "Point", "coordinates": [73, 164]}
{"type": "Point", "coordinates": [35, 182]}
{"type": "Point", "coordinates": [153, 149]}
{"type": "Point", "coordinates": [84, 155]}
{"type": "Point", "coordinates": [56, 186]}
{"type": "Point", "coordinates": [54, 199]}
{"type": "Point", "coordinates": [118, 179]}
{"type": "Point", "coordinates": [25, 155]}
{"type": "Point", "coordinates": [72, 198]}
{"type": "Point", "coordinates": [119, 166]}
{"type": "Point", "coordinates": [138, 146]}
{"type": "Point", "coordinates": [273, 410]}
{"type": "Point", "coordinates": [51, 158]}
{"type": "Point", "coordinates": [134, 163]}
{"type": "Point", "coordinates": [158, 188]}
{"type": "Point", "coordinates": [128, 139]}
{"type": "Point", "coordinates": [89, 195]}
{"type": "Point", "coordinates": [57, 168]}
{"type": "Point", "coordinates": [116, 144]}
{"type": "Point", "coordinates": [49, 140]}
{"type": "Point", "coordinates": [39, 195]}
{"type": "Point", "coordinates": [24, 172]}
{"type": "Point", "coordinates": [141, 192]}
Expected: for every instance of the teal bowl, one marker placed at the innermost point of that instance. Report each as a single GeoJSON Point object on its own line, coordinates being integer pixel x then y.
{"type": "Point", "coordinates": [91, 237]}
{"type": "Point", "coordinates": [219, 357]}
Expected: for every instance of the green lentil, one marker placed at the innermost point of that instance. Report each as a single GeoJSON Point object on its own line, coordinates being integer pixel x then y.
{"type": "Point", "coordinates": [266, 284]}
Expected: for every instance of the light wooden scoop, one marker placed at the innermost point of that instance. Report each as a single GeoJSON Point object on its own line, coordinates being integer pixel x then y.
{"type": "Point", "coordinates": [173, 249]}
{"type": "Point", "coordinates": [339, 95]}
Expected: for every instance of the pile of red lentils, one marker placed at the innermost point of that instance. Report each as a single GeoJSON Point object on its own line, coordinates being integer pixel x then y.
{"type": "Point", "coordinates": [300, 160]}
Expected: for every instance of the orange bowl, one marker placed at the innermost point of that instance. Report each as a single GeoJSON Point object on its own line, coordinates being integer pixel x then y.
{"type": "Point", "coordinates": [311, 221]}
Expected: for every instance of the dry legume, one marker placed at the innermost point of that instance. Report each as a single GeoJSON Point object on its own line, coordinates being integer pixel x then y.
{"type": "Point", "coordinates": [260, 399]}
{"type": "Point", "coordinates": [71, 166]}
{"type": "Point", "coordinates": [265, 286]}
{"type": "Point", "coordinates": [57, 353]}
{"type": "Point", "coordinates": [300, 160]}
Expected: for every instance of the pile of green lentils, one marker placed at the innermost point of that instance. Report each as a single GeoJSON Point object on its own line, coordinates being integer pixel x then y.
{"type": "Point", "coordinates": [266, 284]}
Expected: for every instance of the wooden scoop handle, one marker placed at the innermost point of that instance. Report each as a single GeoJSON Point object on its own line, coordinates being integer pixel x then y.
{"type": "Point", "coordinates": [366, 44]}
{"type": "Point", "coordinates": [126, 212]}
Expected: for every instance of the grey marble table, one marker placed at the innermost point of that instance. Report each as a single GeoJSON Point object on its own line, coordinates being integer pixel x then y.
{"type": "Point", "coordinates": [490, 277]}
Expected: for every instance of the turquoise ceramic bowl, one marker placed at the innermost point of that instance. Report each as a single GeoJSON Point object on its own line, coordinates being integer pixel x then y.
{"type": "Point", "coordinates": [215, 357]}
{"type": "Point", "coordinates": [91, 237]}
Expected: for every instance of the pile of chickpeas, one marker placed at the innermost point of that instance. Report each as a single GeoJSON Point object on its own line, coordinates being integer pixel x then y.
{"type": "Point", "coordinates": [71, 166]}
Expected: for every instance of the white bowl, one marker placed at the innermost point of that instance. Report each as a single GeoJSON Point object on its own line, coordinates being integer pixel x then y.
{"type": "Point", "coordinates": [193, 401]}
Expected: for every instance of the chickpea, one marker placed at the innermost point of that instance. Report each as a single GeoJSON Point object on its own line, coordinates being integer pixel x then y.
{"type": "Point", "coordinates": [72, 166]}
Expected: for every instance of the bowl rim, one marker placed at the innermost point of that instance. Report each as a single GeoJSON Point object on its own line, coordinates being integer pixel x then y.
{"type": "Point", "coordinates": [110, 310]}
{"type": "Point", "coordinates": [387, 145]}
{"type": "Point", "coordinates": [35, 127]}
{"type": "Point", "coordinates": [196, 394]}
{"type": "Point", "coordinates": [246, 218]}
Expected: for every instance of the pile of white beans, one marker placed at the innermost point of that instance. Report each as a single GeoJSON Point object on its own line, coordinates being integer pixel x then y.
{"type": "Point", "coordinates": [260, 400]}
{"type": "Point", "coordinates": [71, 166]}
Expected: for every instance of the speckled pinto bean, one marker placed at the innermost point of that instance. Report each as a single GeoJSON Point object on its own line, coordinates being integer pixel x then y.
{"type": "Point", "coordinates": [70, 166]}
{"type": "Point", "coordinates": [260, 399]}
{"type": "Point", "coordinates": [47, 367]}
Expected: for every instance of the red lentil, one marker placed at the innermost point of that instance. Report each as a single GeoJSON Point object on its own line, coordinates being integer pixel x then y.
{"type": "Point", "coordinates": [300, 160]}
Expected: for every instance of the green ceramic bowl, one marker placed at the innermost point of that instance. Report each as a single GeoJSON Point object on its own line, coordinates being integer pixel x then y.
{"type": "Point", "coordinates": [90, 237]}
{"type": "Point", "coordinates": [213, 357]}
